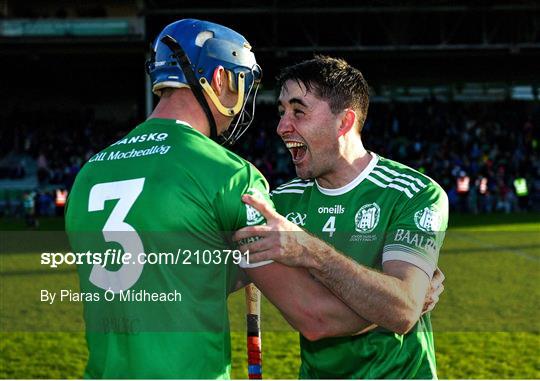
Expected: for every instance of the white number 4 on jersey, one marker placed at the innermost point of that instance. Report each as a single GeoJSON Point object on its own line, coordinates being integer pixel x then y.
{"type": "Point", "coordinates": [330, 226]}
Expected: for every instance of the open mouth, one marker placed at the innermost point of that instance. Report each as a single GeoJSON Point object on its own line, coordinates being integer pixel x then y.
{"type": "Point", "coordinates": [298, 150]}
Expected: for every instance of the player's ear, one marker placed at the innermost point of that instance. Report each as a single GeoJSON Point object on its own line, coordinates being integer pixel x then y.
{"type": "Point", "coordinates": [347, 121]}
{"type": "Point", "coordinates": [219, 80]}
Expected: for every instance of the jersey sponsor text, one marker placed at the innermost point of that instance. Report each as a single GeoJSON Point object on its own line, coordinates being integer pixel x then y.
{"type": "Point", "coordinates": [416, 239]}
{"type": "Point", "coordinates": [119, 155]}
{"type": "Point", "coordinates": [156, 136]}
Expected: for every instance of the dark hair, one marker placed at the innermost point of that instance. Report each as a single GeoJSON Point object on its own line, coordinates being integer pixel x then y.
{"type": "Point", "coordinates": [333, 80]}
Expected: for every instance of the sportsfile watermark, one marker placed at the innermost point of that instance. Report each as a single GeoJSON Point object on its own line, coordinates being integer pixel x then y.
{"type": "Point", "coordinates": [119, 257]}
{"type": "Point", "coordinates": [177, 282]}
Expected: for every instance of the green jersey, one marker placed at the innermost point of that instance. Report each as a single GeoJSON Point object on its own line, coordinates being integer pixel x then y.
{"type": "Point", "coordinates": [389, 212]}
{"type": "Point", "coordinates": [165, 189]}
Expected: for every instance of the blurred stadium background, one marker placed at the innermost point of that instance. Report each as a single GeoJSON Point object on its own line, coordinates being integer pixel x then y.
{"type": "Point", "coordinates": [455, 93]}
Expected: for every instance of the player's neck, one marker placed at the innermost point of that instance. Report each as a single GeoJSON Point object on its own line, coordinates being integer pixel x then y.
{"type": "Point", "coordinates": [352, 161]}
{"type": "Point", "coordinates": [182, 105]}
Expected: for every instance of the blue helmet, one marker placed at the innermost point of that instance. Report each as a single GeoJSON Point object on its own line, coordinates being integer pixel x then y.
{"type": "Point", "coordinates": [207, 45]}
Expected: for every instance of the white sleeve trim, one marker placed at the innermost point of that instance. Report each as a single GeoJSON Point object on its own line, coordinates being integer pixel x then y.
{"type": "Point", "coordinates": [245, 265]}
{"type": "Point", "coordinates": [422, 264]}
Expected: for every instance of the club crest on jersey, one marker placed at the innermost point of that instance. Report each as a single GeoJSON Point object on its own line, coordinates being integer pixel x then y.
{"type": "Point", "coordinates": [253, 216]}
{"type": "Point", "coordinates": [296, 218]}
{"type": "Point", "coordinates": [367, 218]}
{"type": "Point", "coordinates": [428, 220]}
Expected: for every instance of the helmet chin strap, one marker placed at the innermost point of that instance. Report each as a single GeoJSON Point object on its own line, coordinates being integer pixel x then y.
{"type": "Point", "coordinates": [196, 87]}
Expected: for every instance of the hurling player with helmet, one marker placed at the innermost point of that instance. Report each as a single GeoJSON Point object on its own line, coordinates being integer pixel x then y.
{"type": "Point", "coordinates": [169, 186]}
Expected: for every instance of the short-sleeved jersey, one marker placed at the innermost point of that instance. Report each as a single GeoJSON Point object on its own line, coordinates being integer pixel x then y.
{"type": "Point", "coordinates": [163, 188]}
{"type": "Point", "coordinates": [389, 212]}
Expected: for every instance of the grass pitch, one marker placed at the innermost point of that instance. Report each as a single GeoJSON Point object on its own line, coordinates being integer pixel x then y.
{"type": "Point", "coordinates": [487, 324]}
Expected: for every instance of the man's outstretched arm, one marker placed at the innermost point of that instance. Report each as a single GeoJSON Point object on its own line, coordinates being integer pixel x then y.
{"type": "Point", "coordinates": [305, 303]}
{"type": "Point", "coordinates": [393, 299]}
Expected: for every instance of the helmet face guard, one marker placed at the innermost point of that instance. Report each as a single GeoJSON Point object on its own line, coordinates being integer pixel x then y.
{"type": "Point", "coordinates": [245, 117]}
{"type": "Point", "coordinates": [186, 54]}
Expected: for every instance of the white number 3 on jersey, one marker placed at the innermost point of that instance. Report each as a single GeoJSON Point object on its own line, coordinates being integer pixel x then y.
{"type": "Point", "coordinates": [117, 230]}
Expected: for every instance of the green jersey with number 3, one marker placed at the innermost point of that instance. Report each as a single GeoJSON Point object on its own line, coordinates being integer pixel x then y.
{"type": "Point", "coordinates": [389, 212]}
{"type": "Point", "coordinates": [169, 197]}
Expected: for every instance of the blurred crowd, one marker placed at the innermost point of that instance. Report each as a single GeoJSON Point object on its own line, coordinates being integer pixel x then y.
{"type": "Point", "coordinates": [55, 144]}
{"type": "Point", "coordinates": [480, 153]}
{"type": "Point", "coordinates": [485, 155]}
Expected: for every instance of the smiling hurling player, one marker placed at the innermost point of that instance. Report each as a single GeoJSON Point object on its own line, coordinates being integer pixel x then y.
{"type": "Point", "coordinates": [375, 227]}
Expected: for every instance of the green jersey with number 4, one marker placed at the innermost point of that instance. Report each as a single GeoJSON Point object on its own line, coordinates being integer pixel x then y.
{"type": "Point", "coordinates": [389, 212]}
{"type": "Point", "coordinates": [166, 198]}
